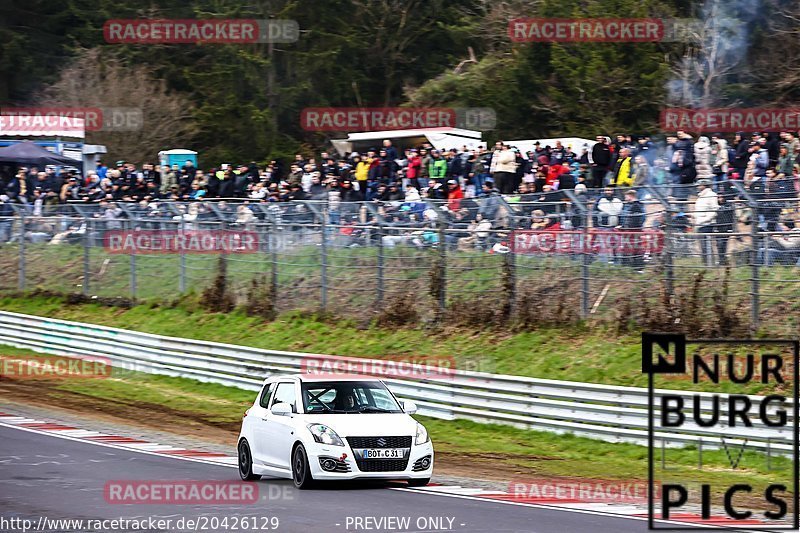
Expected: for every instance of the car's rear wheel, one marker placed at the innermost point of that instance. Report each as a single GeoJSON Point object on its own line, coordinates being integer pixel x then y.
{"type": "Point", "coordinates": [418, 482]}
{"type": "Point", "coordinates": [301, 471]}
{"type": "Point", "coordinates": [246, 463]}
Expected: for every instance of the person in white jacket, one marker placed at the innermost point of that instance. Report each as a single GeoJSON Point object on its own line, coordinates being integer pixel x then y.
{"type": "Point", "coordinates": [504, 165]}
{"type": "Point", "coordinates": [705, 216]}
{"type": "Point", "coordinates": [702, 158]}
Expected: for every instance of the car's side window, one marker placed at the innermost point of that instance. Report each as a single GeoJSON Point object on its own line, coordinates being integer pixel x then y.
{"type": "Point", "coordinates": [266, 395]}
{"type": "Point", "coordinates": [285, 393]}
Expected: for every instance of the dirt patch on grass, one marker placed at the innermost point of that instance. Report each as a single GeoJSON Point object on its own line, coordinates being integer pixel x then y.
{"type": "Point", "coordinates": [45, 393]}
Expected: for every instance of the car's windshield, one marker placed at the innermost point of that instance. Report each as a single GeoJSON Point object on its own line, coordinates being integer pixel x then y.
{"type": "Point", "coordinates": [348, 397]}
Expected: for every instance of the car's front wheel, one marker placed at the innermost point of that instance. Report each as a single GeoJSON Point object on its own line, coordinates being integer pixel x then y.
{"type": "Point", "coordinates": [246, 463]}
{"type": "Point", "coordinates": [418, 482]}
{"type": "Point", "coordinates": [301, 471]}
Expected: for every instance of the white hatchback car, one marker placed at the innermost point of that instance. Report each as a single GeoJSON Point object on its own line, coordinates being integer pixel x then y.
{"type": "Point", "coordinates": [312, 428]}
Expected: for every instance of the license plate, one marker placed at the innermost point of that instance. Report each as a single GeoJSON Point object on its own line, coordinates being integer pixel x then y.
{"type": "Point", "coordinates": [383, 453]}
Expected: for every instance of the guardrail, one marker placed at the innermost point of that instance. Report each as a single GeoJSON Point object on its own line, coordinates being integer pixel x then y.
{"type": "Point", "coordinates": [605, 412]}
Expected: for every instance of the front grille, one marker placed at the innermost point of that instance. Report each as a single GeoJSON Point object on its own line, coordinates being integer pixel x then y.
{"type": "Point", "coordinates": [382, 465]}
{"type": "Point", "coordinates": [386, 442]}
{"type": "Point", "coordinates": [418, 464]}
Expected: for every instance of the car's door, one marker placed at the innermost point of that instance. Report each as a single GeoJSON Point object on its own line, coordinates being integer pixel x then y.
{"type": "Point", "coordinates": [258, 419]}
{"type": "Point", "coordinates": [276, 432]}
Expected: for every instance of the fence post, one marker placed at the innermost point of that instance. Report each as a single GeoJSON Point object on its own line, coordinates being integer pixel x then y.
{"type": "Point", "coordinates": [380, 265]}
{"type": "Point", "coordinates": [324, 262]}
{"type": "Point", "coordinates": [755, 288]}
{"type": "Point", "coordinates": [669, 273]}
{"type": "Point", "coordinates": [22, 275]}
{"type": "Point", "coordinates": [511, 269]}
{"type": "Point", "coordinates": [583, 207]}
{"type": "Point", "coordinates": [587, 250]}
{"type": "Point", "coordinates": [133, 273]}
{"type": "Point", "coordinates": [273, 258]}
{"type": "Point", "coordinates": [86, 255]}
{"type": "Point", "coordinates": [442, 268]}
{"type": "Point", "coordinates": [182, 259]}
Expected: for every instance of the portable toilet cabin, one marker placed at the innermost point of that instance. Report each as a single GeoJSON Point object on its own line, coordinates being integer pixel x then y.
{"type": "Point", "coordinates": [178, 156]}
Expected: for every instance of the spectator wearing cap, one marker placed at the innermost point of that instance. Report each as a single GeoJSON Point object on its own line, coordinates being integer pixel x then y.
{"type": "Point", "coordinates": [454, 195]}
{"type": "Point", "coordinates": [760, 158]}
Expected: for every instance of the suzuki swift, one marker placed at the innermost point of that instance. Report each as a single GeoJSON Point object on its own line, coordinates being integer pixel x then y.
{"type": "Point", "coordinates": [312, 428]}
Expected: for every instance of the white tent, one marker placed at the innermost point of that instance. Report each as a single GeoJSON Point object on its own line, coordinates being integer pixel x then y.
{"type": "Point", "coordinates": [576, 143]}
{"type": "Point", "coordinates": [440, 138]}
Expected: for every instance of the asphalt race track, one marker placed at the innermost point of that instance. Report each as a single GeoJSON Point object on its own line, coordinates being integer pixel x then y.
{"type": "Point", "coordinates": [51, 477]}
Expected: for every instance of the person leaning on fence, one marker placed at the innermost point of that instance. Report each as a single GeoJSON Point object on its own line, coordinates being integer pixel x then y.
{"type": "Point", "coordinates": [724, 226]}
{"type": "Point", "coordinates": [705, 216]}
{"type": "Point", "coordinates": [632, 218]}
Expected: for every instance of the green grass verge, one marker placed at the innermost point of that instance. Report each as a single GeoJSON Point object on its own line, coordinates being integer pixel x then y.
{"type": "Point", "coordinates": [575, 353]}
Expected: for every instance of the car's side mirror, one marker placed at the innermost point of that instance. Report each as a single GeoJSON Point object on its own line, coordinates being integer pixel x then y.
{"type": "Point", "coordinates": [409, 407]}
{"type": "Point", "coordinates": [281, 409]}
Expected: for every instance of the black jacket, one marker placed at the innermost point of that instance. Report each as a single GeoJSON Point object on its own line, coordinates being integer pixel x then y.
{"type": "Point", "coordinates": [632, 216]}
{"type": "Point", "coordinates": [601, 155]}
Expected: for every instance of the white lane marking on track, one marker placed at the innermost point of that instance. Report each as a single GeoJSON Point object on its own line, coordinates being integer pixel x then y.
{"type": "Point", "coordinates": [60, 435]}
{"type": "Point", "coordinates": [115, 446]}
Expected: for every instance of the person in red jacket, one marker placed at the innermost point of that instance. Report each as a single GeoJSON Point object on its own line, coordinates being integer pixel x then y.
{"type": "Point", "coordinates": [454, 195]}
{"type": "Point", "coordinates": [414, 165]}
{"type": "Point", "coordinates": [553, 172]}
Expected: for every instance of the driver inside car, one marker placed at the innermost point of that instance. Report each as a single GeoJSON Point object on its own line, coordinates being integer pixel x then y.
{"type": "Point", "coordinates": [346, 402]}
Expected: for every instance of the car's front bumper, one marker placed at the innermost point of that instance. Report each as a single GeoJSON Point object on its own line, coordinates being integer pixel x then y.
{"type": "Point", "coordinates": [344, 455]}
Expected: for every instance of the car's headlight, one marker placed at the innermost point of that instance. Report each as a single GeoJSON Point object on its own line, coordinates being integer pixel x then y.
{"type": "Point", "coordinates": [422, 435]}
{"type": "Point", "coordinates": [325, 435]}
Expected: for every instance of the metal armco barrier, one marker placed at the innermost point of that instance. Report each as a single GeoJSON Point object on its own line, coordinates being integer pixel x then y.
{"type": "Point", "coordinates": [605, 412]}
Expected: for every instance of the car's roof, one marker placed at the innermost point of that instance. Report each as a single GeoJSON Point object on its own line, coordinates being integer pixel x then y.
{"type": "Point", "coordinates": [307, 378]}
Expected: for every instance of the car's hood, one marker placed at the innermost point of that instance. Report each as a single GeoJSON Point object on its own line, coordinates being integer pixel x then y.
{"type": "Point", "coordinates": [367, 424]}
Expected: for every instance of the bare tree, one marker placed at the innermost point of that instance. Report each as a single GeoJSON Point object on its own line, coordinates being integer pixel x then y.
{"type": "Point", "coordinates": [778, 74]}
{"type": "Point", "coordinates": [713, 53]}
{"type": "Point", "coordinates": [140, 116]}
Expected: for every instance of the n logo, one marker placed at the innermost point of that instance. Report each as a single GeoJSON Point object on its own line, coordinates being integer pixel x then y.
{"type": "Point", "coordinates": [663, 353]}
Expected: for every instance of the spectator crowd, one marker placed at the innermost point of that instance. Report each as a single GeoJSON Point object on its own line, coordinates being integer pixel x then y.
{"type": "Point", "coordinates": [467, 183]}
